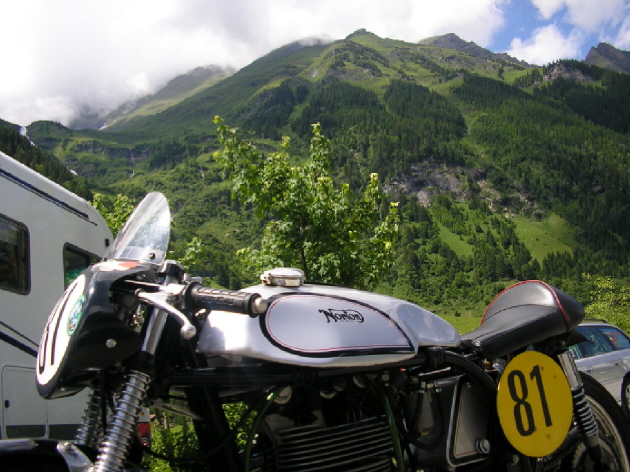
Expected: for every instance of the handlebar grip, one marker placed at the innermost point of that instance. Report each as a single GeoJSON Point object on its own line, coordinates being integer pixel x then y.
{"type": "Point", "coordinates": [235, 301]}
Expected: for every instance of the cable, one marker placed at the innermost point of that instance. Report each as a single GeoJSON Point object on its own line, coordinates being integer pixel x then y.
{"type": "Point", "coordinates": [229, 437]}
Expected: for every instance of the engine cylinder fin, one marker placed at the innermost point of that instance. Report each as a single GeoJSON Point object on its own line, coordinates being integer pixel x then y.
{"type": "Point", "coordinates": [331, 442]}
{"type": "Point", "coordinates": [364, 446]}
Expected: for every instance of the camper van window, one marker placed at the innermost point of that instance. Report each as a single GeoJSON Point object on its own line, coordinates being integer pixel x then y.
{"type": "Point", "coordinates": [14, 257]}
{"type": "Point", "coordinates": [75, 261]}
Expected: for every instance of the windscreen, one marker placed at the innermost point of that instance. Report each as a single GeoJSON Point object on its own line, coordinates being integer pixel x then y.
{"type": "Point", "coordinates": [146, 233]}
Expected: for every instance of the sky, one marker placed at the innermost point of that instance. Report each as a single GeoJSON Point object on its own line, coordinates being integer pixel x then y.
{"type": "Point", "coordinates": [66, 56]}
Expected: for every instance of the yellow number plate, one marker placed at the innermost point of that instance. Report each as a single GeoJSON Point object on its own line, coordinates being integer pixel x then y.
{"type": "Point", "coordinates": [534, 404]}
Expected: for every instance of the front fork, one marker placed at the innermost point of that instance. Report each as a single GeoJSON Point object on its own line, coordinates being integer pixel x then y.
{"type": "Point", "coordinates": [114, 444]}
{"type": "Point", "coordinates": [120, 431]}
{"type": "Point", "coordinates": [90, 433]}
{"type": "Point", "coordinates": [584, 418]}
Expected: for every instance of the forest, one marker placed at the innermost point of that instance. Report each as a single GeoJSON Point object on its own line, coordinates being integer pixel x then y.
{"type": "Point", "coordinates": [19, 147]}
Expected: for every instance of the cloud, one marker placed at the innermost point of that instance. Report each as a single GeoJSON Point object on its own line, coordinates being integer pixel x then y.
{"type": "Point", "coordinates": [96, 54]}
{"type": "Point", "coordinates": [622, 39]}
{"type": "Point", "coordinates": [546, 44]}
{"type": "Point", "coordinates": [476, 21]}
{"type": "Point", "coordinates": [591, 15]}
{"type": "Point", "coordinates": [587, 15]}
{"type": "Point", "coordinates": [57, 108]}
{"type": "Point", "coordinates": [573, 25]}
{"type": "Point", "coordinates": [548, 8]}
{"type": "Point", "coordinates": [75, 55]}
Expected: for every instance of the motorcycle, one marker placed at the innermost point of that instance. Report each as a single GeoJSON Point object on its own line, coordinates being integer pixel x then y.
{"type": "Point", "coordinates": [332, 378]}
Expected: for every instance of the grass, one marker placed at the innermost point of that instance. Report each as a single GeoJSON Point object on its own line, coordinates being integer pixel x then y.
{"type": "Point", "coordinates": [463, 324]}
{"type": "Point", "coordinates": [455, 242]}
{"type": "Point", "coordinates": [542, 238]}
{"type": "Point", "coordinates": [559, 228]}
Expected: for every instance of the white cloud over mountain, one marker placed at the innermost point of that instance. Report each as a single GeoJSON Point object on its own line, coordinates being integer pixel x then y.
{"type": "Point", "coordinates": [72, 55]}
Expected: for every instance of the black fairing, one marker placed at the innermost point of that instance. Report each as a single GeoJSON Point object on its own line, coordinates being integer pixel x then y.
{"type": "Point", "coordinates": [101, 322]}
{"type": "Point", "coordinates": [88, 350]}
{"type": "Point", "coordinates": [523, 314]}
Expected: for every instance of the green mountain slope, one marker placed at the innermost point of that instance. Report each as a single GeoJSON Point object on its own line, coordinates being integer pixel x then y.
{"type": "Point", "coordinates": [229, 97]}
{"type": "Point", "coordinates": [362, 58]}
{"type": "Point", "coordinates": [503, 172]}
{"type": "Point", "coordinates": [175, 91]}
{"type": "Point", "coordinates": [21, 149]}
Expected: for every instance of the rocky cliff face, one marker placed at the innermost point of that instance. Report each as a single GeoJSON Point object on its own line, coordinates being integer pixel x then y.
{"type": "Point", "coordinates": [561, 70]}
{"type": "Point", "coordinates": [609, 57]}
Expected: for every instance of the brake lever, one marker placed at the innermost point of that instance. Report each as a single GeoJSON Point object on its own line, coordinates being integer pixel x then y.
{"type": "Point", "coordinates": [159, 300]}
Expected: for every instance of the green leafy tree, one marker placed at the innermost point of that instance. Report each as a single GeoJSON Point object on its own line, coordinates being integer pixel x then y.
{"type": "Point", "coordinates": [325, 229]}
{"type": "Point", "coordinates": [115, 210]}
{"type": "Point", "coordinates": [610, 300]}
{"type": "Point", "coordinates": [172, 436]}
{"type": "Point", "coordinates": [194, 254]}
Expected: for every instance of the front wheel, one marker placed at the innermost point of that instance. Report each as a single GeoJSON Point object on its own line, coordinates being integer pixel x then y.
{"type": "Point", "coordinates": [625, 395]}
{"type": "Point", "coordinates": [614, 432]}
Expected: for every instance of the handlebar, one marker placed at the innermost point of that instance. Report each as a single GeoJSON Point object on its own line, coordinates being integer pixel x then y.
{"type": "Point", "coordinates": [235, 301]}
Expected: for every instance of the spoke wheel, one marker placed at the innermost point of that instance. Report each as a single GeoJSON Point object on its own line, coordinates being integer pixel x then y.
{"type": "Point", "coordinates": [625, 395]}
{"type": "Point", "coordinates": [614, 432]}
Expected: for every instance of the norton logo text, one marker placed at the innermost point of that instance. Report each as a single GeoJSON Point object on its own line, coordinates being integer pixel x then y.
{"type": "Point", "coordinates": [342, 315]}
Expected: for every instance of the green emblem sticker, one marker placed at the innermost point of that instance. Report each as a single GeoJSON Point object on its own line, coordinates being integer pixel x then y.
{"type": "Point", "coordinates": [75, 315]}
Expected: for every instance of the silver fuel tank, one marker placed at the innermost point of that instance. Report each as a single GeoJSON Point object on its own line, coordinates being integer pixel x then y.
{"type": "Point", "coordinates": [324, 325]}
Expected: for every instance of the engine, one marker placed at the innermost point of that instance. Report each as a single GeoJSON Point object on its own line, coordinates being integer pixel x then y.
{"type": "Point", "coordinates": [332, 427]}
{"type": "Point", "coordinates": [343, 424]}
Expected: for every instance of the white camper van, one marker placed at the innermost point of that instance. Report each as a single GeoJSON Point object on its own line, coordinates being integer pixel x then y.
{"type": "Point", "coordinates": [48, 235]}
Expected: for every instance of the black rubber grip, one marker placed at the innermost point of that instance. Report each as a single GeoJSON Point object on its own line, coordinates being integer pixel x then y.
{"type": "Point", "coordinates": [235, 301]}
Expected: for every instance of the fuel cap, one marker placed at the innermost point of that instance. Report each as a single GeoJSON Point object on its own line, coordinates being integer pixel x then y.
{"type": "Point", "coordinates": [283, 277]}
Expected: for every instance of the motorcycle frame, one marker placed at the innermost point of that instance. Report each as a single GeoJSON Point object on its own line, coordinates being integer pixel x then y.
{"type": "Point", "coordinates": [206, 388]}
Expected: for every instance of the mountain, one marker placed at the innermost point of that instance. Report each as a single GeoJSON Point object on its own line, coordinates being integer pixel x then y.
{"type": "Point", "coordinates": [6, 124]}
{"type": "Point", "coordinates": [229, 97]}
{"type": "Point", "coordinates": [15, 144]}
{"type": "Point", "coordinates": [502, 171]}
{"type": "Point", "coordinates": [176, 90]}
{"type": "Point", "coordinates": [609, 57]}
{"type": "Point", "coordinates": [361, 56]}
{"type": "Point", "coordinates": [452, 41]}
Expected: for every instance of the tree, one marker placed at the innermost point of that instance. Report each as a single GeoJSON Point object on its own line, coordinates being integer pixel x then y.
{"type": "Point", "coordinates": [115, 210]}
{"type": "Point", "coordinates": [610, 300]}
{"type": "Point", "coordinates": [333, 235]}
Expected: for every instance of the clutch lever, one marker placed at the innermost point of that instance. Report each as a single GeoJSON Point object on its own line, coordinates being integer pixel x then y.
{"type": "Point", "coordinates": [160, 300]}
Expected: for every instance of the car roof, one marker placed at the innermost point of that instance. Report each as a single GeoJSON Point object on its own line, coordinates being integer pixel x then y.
{"type": "Point", "coordinates": [594, 321]}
